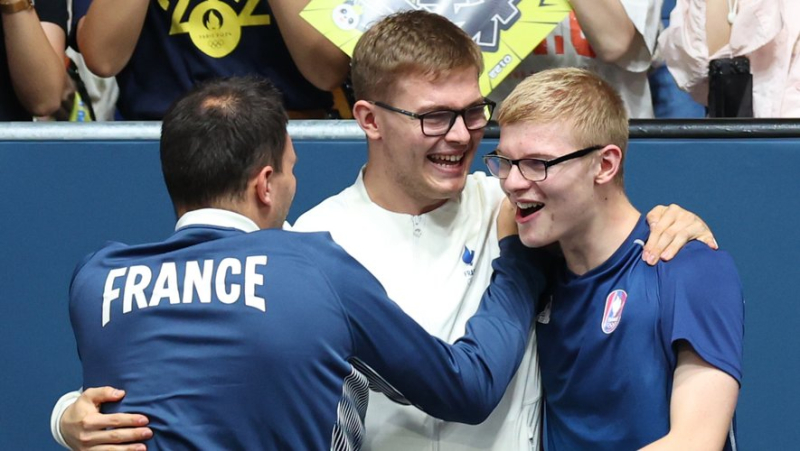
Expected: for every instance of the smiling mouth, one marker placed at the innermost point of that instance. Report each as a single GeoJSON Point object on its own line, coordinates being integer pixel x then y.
{"type": "Point", "coordinates": [446, 160]}
{"type": "Point", "coordinates": [529, 208]}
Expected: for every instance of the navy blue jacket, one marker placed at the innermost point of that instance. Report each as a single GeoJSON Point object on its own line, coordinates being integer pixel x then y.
{"type": "Point", "coordinates": [234, 340]}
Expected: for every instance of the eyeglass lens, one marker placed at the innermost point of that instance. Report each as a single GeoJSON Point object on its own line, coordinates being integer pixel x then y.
{"type": "Point", "coordinates": [440, 122]}
{"type": "Point", "coordinates": [533, 170]}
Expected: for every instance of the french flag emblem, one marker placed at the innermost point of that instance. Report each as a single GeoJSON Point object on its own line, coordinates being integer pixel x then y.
{"type": "Point", "coordinates": [612, 314]}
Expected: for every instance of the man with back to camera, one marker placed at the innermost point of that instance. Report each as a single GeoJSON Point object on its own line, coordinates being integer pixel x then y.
{"type": "Point", "coordinates": [631, 355]}
{"type": "Point", "coordinates": [231, 337]}
{"type": "Point", "coordinates": [419, 222]}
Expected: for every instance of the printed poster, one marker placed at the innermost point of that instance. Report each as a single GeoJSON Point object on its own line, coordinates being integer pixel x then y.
{"type": "Point", "coordinates": [506, 30]}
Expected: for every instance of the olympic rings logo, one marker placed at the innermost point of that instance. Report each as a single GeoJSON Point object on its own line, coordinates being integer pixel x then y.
{"type": "Point", "coordinates": [216, 43]}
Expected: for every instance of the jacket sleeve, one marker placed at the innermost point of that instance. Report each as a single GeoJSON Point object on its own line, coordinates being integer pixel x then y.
{"type": "Point", "coordinates": [461, 382]}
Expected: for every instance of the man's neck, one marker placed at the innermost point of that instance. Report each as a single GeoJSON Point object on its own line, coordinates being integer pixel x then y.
{"type": "Point", "coordinates": [249, 210]}
{"type": "Point", "coordinates": [216, 217]}
{"type": "Point", "coordinates": [600, 237]}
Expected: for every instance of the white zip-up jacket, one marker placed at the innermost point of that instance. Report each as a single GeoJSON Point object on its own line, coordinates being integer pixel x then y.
{"type": "Point", "coordinates": [445, 255]}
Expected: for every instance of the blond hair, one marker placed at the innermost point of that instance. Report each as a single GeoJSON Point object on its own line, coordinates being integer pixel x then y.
{"type": "Point", "coordinates": [577, 97]}
{"type": "Point", "coordinates": [409, 42]}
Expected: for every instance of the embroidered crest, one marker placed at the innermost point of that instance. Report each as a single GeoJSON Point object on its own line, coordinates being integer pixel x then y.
{"type": "Point", "coordinates": [612, 314]}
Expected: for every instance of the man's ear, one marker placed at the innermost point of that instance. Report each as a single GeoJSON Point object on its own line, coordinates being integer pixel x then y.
{"type": "Point", "coordinates": [364, 114]}
{"type": "Point", "coordinates": [261, 185]}
{"type": "Point", "coordinates": [610, 162]}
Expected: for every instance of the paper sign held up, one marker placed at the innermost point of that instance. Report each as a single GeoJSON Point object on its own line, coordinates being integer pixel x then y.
{"type": "Point", "coordinates": [505, 30]}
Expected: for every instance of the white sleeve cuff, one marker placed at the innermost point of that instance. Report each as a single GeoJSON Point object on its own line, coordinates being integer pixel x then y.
{"type": "Point", "coordinates": [58, 411]}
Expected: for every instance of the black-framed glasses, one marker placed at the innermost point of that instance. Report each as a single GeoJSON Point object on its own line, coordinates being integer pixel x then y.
{"type": "Point", "coordinates": [533, 169]}
{"type": "Point", "coordinates": [439, 122]}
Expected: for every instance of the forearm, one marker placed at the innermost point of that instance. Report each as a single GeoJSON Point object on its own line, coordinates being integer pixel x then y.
{"type": "Point", "coordinates": [58, 411]}
{"type": "Point", "coordinates": [460, 382]}
{"type": "Point", "coordinates": [35, 61]}
{"type": "Point", "coordinates": [465, 383]}
{"type": "Point", "coordinates": [608, 28]}
{"type": "Point", "coordinates": [319, 60]}
{"type": "Point", "coordinates": [108, 34]}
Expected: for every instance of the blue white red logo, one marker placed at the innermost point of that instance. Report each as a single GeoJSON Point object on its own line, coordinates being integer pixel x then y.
{"type": "Point", "coordinates": [612, 314]}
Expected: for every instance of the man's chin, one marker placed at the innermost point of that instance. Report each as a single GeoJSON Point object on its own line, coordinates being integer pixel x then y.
{"type": "Point", "coordinates": [452, 182]}
{"type": "Point", "coordinates": [535, 240]}
{"type": "Point", "coordinates": [451, 190]}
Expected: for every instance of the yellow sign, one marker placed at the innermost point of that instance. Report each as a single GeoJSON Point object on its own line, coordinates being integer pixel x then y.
{"type": "Point", "coordinates": [505, 30]}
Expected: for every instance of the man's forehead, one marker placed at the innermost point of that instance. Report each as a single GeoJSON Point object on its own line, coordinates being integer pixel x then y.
{"type": "Point", "coordinates": [536, 140]}
{"type": "Point", "coordinates": [452, 88]}
{"type": "Point", "coordinates": [435, 77]}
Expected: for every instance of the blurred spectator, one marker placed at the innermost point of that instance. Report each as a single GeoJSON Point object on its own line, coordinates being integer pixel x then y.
{"type": "Point", "coordinates": [32, 76]}
{"type": "Point", "coordinates": [765, 31]}
{"type": "Point", "coordinates": [669, 101]}
{"type": "Point", "coordinates": [158, 49]}
{"type": "Point", "coordinates": [73, 107]}
{"type": "Point", "coordinates": [102, 92]}
{"type": "Point", "coordinates": [614, 38]}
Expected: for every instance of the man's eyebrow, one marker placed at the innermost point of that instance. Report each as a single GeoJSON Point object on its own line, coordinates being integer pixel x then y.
{"type": "Point", "coordinates": [439, 107]}
{"type": "Point", "coordinates": [532, 155]}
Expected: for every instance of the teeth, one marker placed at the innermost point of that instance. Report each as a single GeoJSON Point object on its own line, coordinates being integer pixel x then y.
{"type": "Point", "coordinates": [448, 158]}
{"type": "Point", "coordinates": [527, 205]}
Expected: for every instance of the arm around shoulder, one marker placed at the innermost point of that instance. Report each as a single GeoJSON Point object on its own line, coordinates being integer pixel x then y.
{"type": "Point", "coordinates": [460, 382]}
{"type": "Point", "coordinates": [672, 228]}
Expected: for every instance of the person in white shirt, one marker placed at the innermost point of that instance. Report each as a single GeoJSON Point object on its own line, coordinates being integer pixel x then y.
{"type": "Point", "coordinates": [420, 223]}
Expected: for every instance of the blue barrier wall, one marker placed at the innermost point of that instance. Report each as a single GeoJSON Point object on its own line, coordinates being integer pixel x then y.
{"type": "Point", "coordinates": [61, 200]}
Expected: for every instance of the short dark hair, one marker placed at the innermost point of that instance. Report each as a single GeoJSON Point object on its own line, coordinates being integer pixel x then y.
{"type": "Point", "coordinates": [215, 137]}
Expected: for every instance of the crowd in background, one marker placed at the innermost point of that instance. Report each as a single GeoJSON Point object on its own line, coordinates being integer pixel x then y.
{"type": "Point", "coordinates": [128, 60]}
